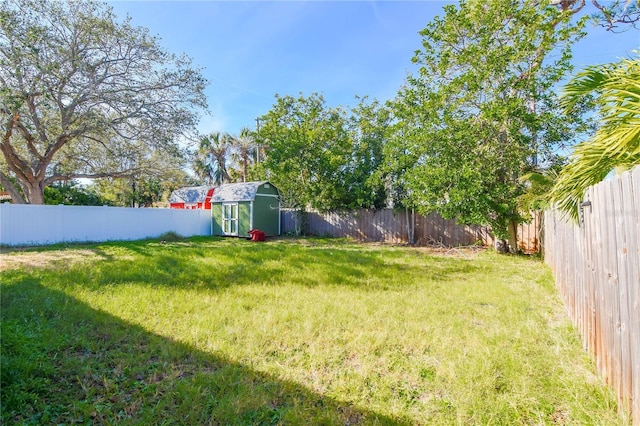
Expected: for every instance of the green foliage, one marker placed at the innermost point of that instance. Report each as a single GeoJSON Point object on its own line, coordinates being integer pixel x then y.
{"type": "Point", "coordinates": [616, 143]}
{"type": "Point", "coordinates": [170, 237]}
{"type": "Point", "coordinates": [324, 157]}
{"type": "Point", "coordinates": [211, 159]}
{"type": "Point", "coordinates": [145, 190]}
{"type": "Point", "coordinates": [244, 152]}
{"type": "Point", "coordinates": [212, 331]}
{"type": "Point", "coordinates": [86, 95]}
{"type": "Point", "coordinates": [368, 127]}
{"type": "Point", "coordinates": [538, 184]}
{"type": "Point", "coordinates": [73, 194]}
{"type": "Point", "coordinates": [10, 184]}
{"type": "Point", "coordinates": [224, 158]}
{"type": "Point", "coordinates": [482, 110]}
{"type": "Point", "coordinates": [306, 146]}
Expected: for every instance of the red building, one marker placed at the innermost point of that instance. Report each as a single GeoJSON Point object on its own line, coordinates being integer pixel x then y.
{"type": "Point", "coordinates": [192, 197]}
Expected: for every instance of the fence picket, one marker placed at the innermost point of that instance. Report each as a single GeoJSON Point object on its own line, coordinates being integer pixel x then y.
{"type": "Point", "coordinates": [390, 226]}
{"type": "Point", "coordinates": [623, 289]}
{"type": "Point", "coordinates": [596, 266]}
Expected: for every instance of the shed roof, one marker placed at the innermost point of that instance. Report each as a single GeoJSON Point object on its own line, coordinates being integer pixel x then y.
{"type": "Point", "coordinates": [237, 191]}
{"type": "Point", "coordinates": [190, 194]}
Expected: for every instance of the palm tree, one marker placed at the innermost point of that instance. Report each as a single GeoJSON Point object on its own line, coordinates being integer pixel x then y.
{"type": "Point", "coordinates": [244, 148]}
{"type": "Point", "coordinates": [538, 184]}
{"type": "Point", "coordinates": [616, 144]}
{"type": "Point", "coordinates": [211, 159]}
{"type": "Point", "coordinates": [203, 169]}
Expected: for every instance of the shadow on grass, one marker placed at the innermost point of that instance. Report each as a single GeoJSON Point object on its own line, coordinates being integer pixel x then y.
{"type": "Point", "coordinates": [219, 265]}
{"type": "Point", "coordinates": [64, 362]}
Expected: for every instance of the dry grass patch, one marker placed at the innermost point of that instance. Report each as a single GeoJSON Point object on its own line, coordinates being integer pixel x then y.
{"type": "Point", "coordinates": [45, 259]}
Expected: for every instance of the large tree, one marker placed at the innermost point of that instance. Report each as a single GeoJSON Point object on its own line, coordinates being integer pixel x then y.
{"type": "Point", "coordinates": [211, 159]}
{"type": "Point", "coordinates": [482, 109]}
{"type": "Point", "coordinates": [368, 126]}
{"type": "Point", "coordinates": [306, 145]}
{"type": "Point", "coordinates": [244, 150]}
{"type": "Point", "coordinates": [81, 90]}
{"type": "Point", "coordinates": [325, 157]}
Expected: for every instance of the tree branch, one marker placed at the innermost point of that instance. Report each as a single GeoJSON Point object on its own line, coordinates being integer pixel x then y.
{"type": "Point", "coordinates": [28, 137]}
{"type": "Point", "coordinates": [70, 176]}
{"type": "Point", "coordinates": [14, 162]}
{"type": "Point", "coordinates": [610, 18]}
{"type": "Point", "coordinates": [16, 196]}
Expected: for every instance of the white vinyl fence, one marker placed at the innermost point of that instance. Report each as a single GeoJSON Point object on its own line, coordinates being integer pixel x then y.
{"type": "Point", "coordinates": [24, 224]}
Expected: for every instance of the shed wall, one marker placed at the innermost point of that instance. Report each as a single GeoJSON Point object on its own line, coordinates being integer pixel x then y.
{"type": "Point", "coordinates": [271, 190]}
{"type": "Point", "coordinates": [216, 219]}
{"type": "Point", "coordinates": [266, 215]}
{"type": "Point", "coordinates": [244, 218]}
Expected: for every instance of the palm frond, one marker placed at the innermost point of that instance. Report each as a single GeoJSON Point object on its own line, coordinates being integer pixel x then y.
{"type": "Point", "coordinates": [616, 144]}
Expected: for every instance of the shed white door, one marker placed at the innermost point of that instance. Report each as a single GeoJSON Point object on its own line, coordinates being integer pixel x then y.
{"type": "Point", "coordinates": [230, 219]}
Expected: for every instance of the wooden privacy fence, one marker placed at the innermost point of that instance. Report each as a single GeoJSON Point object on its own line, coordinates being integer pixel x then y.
{"type": "Point", "coordinates": [391, 226]}
{"type": "Point", "coordinates": [596, 265]}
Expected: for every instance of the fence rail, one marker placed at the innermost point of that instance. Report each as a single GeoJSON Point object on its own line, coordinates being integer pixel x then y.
{"type": "Point", "coordinates": [24, 224]}
{"type": "Point", "coordinates": [392, 226]}
{"type": "Point", "coordinates": [596, 265]}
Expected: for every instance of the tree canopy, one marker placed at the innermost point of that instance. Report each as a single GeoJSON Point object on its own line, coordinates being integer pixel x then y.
{"type": "Point", "coordinates": [324, 157]}
{"type": "Point", "coordinates": [212, 156]}
{"type": "Point", "coordinates": [73, 194]}
{"type": "Point", "coordinates": [482, 109]}
{"type": "Point", "coordinates": [81, 93]}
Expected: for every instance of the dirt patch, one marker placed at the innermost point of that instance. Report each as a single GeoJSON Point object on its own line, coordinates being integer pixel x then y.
{"type": "Point", "coordinates": [467, 251]}
{"type": "Point", "coordinates": [432, 248]}
{"type": "Point", "coordinates": [44, 259]}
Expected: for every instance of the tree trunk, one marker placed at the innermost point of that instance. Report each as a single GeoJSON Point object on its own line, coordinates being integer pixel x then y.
{"type": "Point", "coordinates": [413, 226]}
{"type": "Point", "coordinates": [509, 245]}
{"type": "Point", "coordinates": [541, 235]}
{"type": "Point", "coordinates": [410, 225]}
{"type": "Point", "coordinates": [513, 236]}
{"type": "Point", "coordinates": [34, 192]}
{"type": "Point", "coordinates": [299, 216]}
{"type": "Point", "coordinates": [16, 196]}
{"type": "Point", "coordinates": [245, 162]}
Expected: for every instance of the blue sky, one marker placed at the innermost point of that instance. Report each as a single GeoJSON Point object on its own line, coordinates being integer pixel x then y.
{"type": "Point", "coordinates": [251, 50]}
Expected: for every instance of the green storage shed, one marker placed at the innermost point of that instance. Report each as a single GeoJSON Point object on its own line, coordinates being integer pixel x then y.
{"type": "Point", "coordinates": [237, 208]}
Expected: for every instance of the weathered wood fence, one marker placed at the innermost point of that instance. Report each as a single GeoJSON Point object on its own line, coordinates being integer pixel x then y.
{"type": "Point", "coordinates": [391, 226]}
{"type": "Point", "coordinates": [596, 265]}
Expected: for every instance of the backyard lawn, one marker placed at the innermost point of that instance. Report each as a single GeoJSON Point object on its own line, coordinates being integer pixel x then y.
{"type": "Point", "coordinates": [315, 331]}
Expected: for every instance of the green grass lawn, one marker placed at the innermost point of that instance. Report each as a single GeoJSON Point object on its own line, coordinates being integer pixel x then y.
{"type": "Point", "coordinates": [212, 331]}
